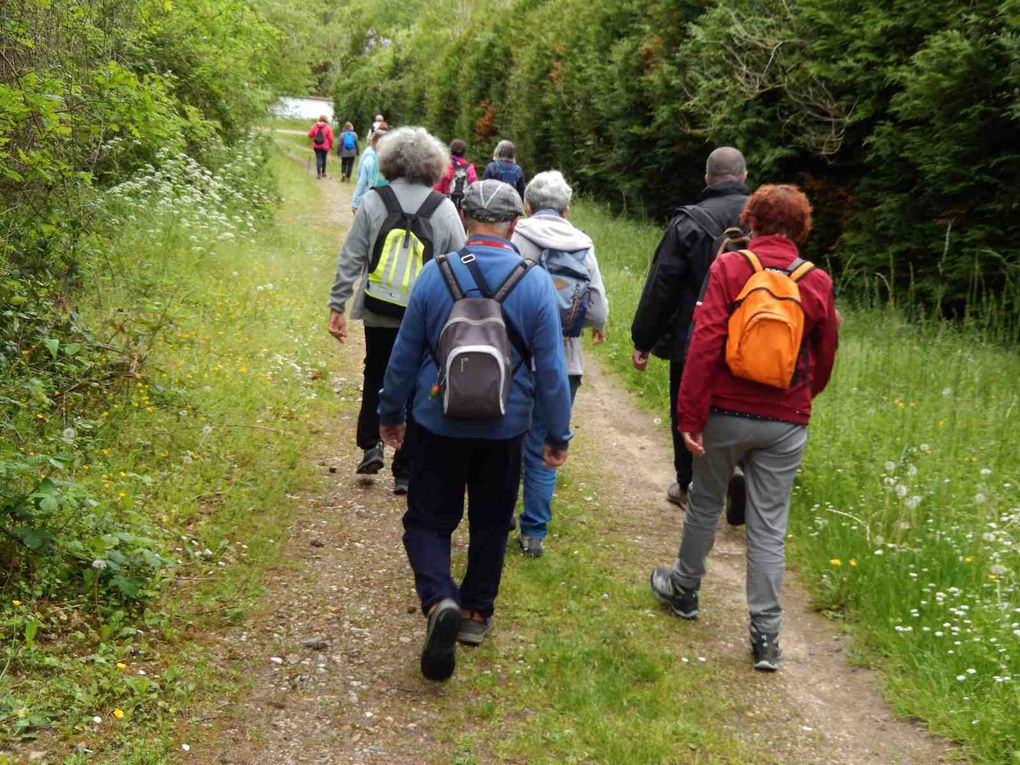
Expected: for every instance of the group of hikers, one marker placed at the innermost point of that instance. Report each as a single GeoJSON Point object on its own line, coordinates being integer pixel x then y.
{"type": "Point", "coordinates": [475, 293]}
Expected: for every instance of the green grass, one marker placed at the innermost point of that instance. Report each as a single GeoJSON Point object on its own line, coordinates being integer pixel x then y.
{"type": "Point", "coordinates": [906, 517]}
{"type": "Point", "coordinates": [206, 448]}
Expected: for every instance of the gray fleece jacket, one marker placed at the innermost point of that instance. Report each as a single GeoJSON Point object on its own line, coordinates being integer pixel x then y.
{"type": "Point", "coordinates": [356, 253]}
{"type": "Point", "coordinates": [547, 230]}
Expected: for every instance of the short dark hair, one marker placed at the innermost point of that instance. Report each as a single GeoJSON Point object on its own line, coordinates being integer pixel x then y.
{"type": "Point", "coordinates": [778, 209]}
{"type": "Point", "coordinates": [458, 147]}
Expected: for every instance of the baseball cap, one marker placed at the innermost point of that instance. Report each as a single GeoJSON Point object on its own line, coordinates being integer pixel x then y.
{"type": "Point", "coordinates": [492, 201]}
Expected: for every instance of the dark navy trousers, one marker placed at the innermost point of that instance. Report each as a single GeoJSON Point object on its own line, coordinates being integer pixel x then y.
{"type": "Point", "coordinates": [443, 470]}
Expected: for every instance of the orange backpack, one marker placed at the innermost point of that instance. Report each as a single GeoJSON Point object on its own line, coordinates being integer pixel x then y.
{"type": "Point", "coordinates": [766, 326]}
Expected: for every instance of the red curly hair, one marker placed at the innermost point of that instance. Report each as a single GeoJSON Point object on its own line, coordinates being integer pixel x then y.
{"type": "Point", "coordinates": [778, 209]}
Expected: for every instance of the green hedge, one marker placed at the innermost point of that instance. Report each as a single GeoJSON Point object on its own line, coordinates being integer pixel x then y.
{"type": "Point", "coordinates": [899, 118]}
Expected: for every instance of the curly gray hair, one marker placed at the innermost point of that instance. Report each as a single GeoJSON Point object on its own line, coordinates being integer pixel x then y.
{"type": "Point", "coordinates": [548, 191]}
{"type": "Point", "coordinates": [414, 154]}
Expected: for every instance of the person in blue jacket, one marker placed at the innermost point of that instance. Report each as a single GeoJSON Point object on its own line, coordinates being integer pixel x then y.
{"type": "Point", "coordinates": [480, 457]}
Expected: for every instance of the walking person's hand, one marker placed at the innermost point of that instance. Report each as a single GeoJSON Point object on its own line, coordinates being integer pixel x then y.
{"type": "Point", "coordinates": [553, 458]}
{"type": "Point", "coordinates": [694, 443]}
{"type": "Point", "coordinates": [597, 336]}
{"type": "Point", "coordinates": [337, 325]}
{"type": "Point", "coordinates": [640, 360]}
{"type": "Point", "coordinates": [354, 211]}
{"type": "Point", "coordinates": [393, 435]}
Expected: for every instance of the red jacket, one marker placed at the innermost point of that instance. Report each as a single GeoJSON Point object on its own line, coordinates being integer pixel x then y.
{"type": "Point", "coordinates": [707, 382]}
{"type": "Point", "coordinates": [443, 187]}
{"type": "Point", "coordinates": [327, 135]}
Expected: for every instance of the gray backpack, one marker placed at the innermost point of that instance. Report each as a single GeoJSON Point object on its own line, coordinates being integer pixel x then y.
{"type": "Point", "coordinates": [473, 357]}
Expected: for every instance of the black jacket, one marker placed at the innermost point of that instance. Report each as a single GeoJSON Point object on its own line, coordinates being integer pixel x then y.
{"type": "Point", "coordinates": [678, 270]}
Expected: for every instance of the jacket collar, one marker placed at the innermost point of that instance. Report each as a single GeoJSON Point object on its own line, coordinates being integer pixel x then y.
{"type": "Point", "coordinates": [725, 189]}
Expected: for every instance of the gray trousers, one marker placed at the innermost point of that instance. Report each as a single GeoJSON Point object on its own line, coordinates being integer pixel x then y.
{"type": "Point", "coordinates": [772, 453]}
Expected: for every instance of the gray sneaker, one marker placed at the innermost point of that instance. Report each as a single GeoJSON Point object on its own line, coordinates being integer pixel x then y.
{"type": "Point", "coordinates": [677, 495]}
{"type": "Point", "coordinates": [683, 602]}
{"type": "Point", "coordinates": [766, 651]}
{"type": "Point", "coordinates": [473, 632]}
{"type": "Point", "coordinates": [438, 655]}
{"type": "Point", "coordinates": [372, 461]}
{"type": "Point", "coordinates": [531, 547]}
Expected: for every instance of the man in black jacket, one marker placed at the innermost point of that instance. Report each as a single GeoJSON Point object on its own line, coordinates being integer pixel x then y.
{"type": "Point", "coordinates": [662, 322]}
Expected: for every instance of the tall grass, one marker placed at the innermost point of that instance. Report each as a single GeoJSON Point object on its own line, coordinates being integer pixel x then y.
{"type": "Point", "coordinates": [906, 516]}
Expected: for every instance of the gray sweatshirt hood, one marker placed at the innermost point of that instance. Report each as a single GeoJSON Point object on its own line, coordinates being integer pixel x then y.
{"type": "Point", "coordinates": [548, 231]}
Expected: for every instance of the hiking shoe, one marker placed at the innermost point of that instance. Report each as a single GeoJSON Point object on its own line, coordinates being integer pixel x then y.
{"type": "Point", "coordinates": [765, 647]}
{"type": "Point", "coordinates": [677, 495]}
{"type": "Point", "coordinates": [513, 523]}
{"type": "Point", "coordinates": [736, 499]}
{"type": "Point", "coordinates": [438, 654]}
{"type": "Point", "coordinates": [472, 631]}
{"type": "Point", "coordinates": [683, 602]}
{"type": "Point", "coordinates": [372, 462]}
{"type": "Point", "coordinates": [531, 547]}
{"type": "Point", "coordinates": [400, 486]}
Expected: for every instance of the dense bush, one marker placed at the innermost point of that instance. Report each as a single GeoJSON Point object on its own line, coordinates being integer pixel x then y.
{"type": "Point", "coordinates": [901, 119]}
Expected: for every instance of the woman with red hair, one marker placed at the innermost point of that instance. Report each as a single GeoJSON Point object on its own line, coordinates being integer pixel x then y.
{"type": "Point", "coordinates": [726, 416]}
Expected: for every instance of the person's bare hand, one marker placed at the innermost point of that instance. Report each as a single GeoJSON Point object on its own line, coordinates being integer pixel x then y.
{"type": "Point", "coordinates": [553, 458]}
{"type": "Point", "coordinates": [640, 360]}
{"type": "Point", "coordinates": [354, 211]}
{"type": "Point", "coordinates": [338, 325]}
{"type": "Point", "coordinates": [694, 443]}
{"type": "Point", "coordinates": [393, 435]}
{"type": "Point", "coordinates": [597, 336]}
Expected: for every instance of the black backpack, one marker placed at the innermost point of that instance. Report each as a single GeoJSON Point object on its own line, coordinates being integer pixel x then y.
{"type": "Point", "coordinates": [458, 184]}
{"type": "Point", "coordinates": [320, 136]}
{"type": "Point", "coordinates": [402, 248]}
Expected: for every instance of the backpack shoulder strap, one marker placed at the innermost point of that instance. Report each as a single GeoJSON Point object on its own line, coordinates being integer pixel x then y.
{"type": "Point", "coordinates": [389, 198]}
{"type": "Point", "coordinates": [752, 260]}
{"type": "Point", "coordinates": [512, 280]}
{"type": "Point", "coordinates": [800, 268]}
{"type": "Point", "coordinates": [443, 262]}
{"type": "Point", "coordinates": [430, 205]}
{"type": "Point", "coordinates": [703, 219]}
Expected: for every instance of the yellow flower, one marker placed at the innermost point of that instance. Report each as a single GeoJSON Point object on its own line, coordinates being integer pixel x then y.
{"type": "Point", "coordinates": [852, 562]}
{"type": "Point", "coordinates": [967, 558]}
{"type": "Point", "coordinates": [992, 577]}
{"type": "Point", "coordinates": [835, 562]}
{"type": "Point", "coordinates": [121, 665]}
{"type": "Point", "coordinates": [15, 603]}
{"type": "Point", "coordinates": [118, 713]}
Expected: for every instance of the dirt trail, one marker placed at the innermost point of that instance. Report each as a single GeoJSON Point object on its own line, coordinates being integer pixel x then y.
{"type": "Point", "coordinates": [332, 662]}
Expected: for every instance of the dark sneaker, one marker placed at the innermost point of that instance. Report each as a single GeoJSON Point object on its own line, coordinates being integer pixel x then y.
{"type": "Point", "coordinates": [372, 461]}
{"type": "Point", "coordinates": [531, 547]}
{"type": "Point", "coordinates": [472, 631]}
{"type": "Point", "coordinates": [438, 655]}
{"type": "Point", "coordinates": [513, 523]}
{"type": "Point", "coordinates": [400, 486]}
{"type": "Point", "coordinates": [765, 647]}
{"type": "Point", "coordinates": [736, 499]}
{"type": "Point", "coordinates": [683, 602]}
{"type": "Point", "coordinates": [677, 495]}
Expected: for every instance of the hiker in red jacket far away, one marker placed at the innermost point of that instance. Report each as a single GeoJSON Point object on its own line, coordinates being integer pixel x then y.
{"type": "Point", "coordinates": [321, 136]}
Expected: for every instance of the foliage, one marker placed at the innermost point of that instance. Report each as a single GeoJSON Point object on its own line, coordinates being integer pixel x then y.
{"type": "Point", "coordinates": [900, 119]}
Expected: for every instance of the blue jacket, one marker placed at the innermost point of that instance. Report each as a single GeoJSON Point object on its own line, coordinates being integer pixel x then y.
{"type": "Point", "coordinates": [368, 176]}
{"type": "Point", "coordinates": [532, 309]}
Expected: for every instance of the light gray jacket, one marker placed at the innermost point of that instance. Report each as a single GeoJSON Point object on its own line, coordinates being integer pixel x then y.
{"type": "Point", "coordinates": [546, 230]}
{"type": "Point", "coordinates": [356, 253]}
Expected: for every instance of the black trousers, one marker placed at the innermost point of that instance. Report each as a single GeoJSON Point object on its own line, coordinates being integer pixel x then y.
{"type": "Point", "coordinates": [378, 347]}
{"type": "Point", "coordinates": [320, 161]}
{"type": "Point", "coordinates": [443, 468]}
{"type": "Point", "coordinates": [682, 459]}
{"type": "Point", "coordinates": [346, 167]}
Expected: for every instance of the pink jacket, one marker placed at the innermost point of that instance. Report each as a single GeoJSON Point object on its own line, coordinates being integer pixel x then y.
{"type": "Point", "coordinates": [327, 131]}
{"type": "Point", "coordinates": [443, 187]}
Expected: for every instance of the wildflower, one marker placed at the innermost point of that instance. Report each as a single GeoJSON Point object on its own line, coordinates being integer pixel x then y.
{"type": "Point", "coordinates": [967, 558]}
{"type": "Point", "coordinates": [961, 678]}
{"type": "Point", "coordinates": [911, 503]}
{"type": "Point", "coordinates": [68, 435]}
{"type": "Point", "coordinates": [118, 713]}
{"type": "Point", "coordinates": [925, 448]}
{"type": "Point", "coordinates": [980, 498]}
{"type": "Point", "coordinates": [121, 665]}
{"type": "Point", "coordinates": [16, 603]}
{"type": "Point", "coordinates": [97, 719]}
{"type": "Point", "coordinates": [890, 466]}
{"type": "Point", "coordinates": [852, 563]}
{"type": "Point", "coordinates": [207, 430]}
{"type": "Point", "coordinates": [901, 490]}
{"type": "Point", "coordinates": [879, 552]}
{"type": "Point", "coordinates": [985, 471]}
{"type": "Point", "coordinates": [947, 392]}
{"type": "Point", "coordinates": [912, 471]}
{"type": "Point", "coordinates": [835, 562]}
{"type": "Point", "coordinates": [99, 564]}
